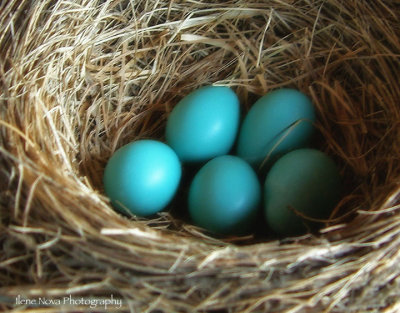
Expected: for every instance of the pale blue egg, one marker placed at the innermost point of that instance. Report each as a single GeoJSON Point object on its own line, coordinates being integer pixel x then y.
{"type": "Point", "coordinates": [204, 124]}
{"type": "Point", "coordinates": [301, 188]}
{"type": "Point", "coordinates": [224, 196]}
{"type": "Point", "coordinates": [278, 122]}
{"type": "Point", "coordinates": [142, 177]}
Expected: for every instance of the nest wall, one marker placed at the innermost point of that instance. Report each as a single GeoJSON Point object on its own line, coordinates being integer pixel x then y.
{"type": "Point", "coordinates": [80, 79]}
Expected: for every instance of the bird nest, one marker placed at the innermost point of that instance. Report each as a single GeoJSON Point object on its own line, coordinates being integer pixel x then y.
{"type": "Point", "coordinates": [79, 79]}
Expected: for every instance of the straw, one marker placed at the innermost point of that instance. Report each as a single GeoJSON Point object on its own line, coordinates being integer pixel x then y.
{"type": "Point", "coordinates": [79, 79]}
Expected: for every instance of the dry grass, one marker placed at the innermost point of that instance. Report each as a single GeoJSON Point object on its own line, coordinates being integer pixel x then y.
{"type": "Point", "coordinates": [81, 78]}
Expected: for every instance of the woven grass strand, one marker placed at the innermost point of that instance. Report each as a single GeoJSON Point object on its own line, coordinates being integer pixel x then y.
{"type": "Point", "coordinates": [81, 78]}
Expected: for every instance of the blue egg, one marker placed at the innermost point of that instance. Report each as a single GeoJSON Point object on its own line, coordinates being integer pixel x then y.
{"type": "Point", "coordinates": [142, 177]}
{"type": "Point", "coordinates": [204, 124]}
{"type": "Point", "coordinates": [278, 122]}
{"type": "Point", "coordinates": [224, 196]}
{"type": "Point", "coordinates": [301, 188]}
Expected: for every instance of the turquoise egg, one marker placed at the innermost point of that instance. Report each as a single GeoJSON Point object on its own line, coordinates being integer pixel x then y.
{"type": "Point", "coordinates": [142, 177]}
{"type": "Point", "coordinates": [278, 122]}
{"type": "Point", "coordinates": [204, 124]}
{"type": "Point", "coordinates": [303, 184]}
{"type": "Point", "coordinates": [224, 196]}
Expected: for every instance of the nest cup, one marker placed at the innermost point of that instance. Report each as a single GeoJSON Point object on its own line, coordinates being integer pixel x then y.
{"type": "Point", "coordinates": [80, 79]}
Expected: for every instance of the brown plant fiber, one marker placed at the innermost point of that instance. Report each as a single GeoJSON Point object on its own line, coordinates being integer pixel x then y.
{"type": "Point", "coordinates": [81, 78]}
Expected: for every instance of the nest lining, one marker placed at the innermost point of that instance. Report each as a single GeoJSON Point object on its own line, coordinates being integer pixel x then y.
{"type": "Point", "coordinates": [81, 79]}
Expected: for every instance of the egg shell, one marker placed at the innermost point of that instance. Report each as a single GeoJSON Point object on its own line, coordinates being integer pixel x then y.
{"type": "Point", "coordinates": [225, 195]}
{"type": "Point", "coordinates": [305, 181]}
{"type": "Point", "coordinates": [277, 123]}
{"type": "Point", "coordinates": [142, 177]}
{"type": "Point", "coordinates": [204, 124]}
